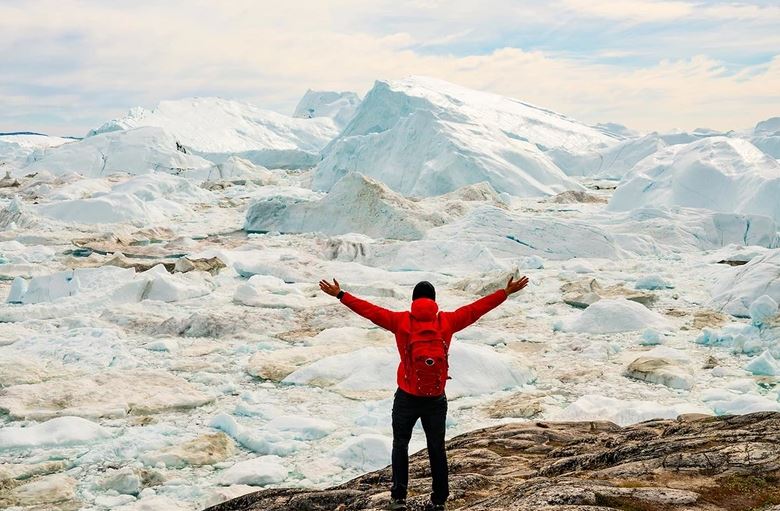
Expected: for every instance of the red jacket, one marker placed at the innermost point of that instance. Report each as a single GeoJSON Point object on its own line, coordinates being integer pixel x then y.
{"type": "Point", "coordinates": [423, 309]}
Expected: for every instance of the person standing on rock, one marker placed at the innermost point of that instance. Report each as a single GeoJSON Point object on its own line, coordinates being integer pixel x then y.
{"type": "Point", "coordinates": [423, 337]}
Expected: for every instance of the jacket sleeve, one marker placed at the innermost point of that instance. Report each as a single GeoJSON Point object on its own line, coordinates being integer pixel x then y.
{"type": "Point", "coordinates": [380, 316]}
{"type": "Point", "coordinates": [468, 314]}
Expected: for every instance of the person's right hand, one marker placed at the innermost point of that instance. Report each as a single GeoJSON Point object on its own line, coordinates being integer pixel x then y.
{"type": "Point", "coordinates": [331, 289]}
{"type": "Point", "coordinates": [513, 286]}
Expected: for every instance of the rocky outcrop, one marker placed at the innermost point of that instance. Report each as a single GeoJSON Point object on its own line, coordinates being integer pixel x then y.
{"type": "Point", "coordinates": [725, 463]}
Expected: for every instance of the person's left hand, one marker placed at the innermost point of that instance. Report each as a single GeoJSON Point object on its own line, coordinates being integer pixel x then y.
{"type": "Point", "coordinates": [331, 289]}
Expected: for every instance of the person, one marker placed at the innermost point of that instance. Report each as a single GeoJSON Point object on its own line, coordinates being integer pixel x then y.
{"type": "Point", "coordinates": [420, 393]}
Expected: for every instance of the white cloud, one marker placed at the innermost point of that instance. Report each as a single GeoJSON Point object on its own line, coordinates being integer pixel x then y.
{"type": "Point", "coordinates": [633, 10]}
{"type": "Point", "coordinates": [649, 11]}
{"type": "Point", "coordinates": [105, 59]}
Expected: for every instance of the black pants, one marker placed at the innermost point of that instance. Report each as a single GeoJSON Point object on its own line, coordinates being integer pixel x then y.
{"type": "Point", "coordinates": [432, 411]}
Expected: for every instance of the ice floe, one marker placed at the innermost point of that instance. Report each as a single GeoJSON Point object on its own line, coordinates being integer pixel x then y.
{"type": "Point", "coordinates": [365, 452]}
{"type": "Point", "coordinates": [54, 432]}
{"type": "Point", "coordinates": [623, 412]}
{"type": "Point", "coordinates": [255, 472]}
{"type": "Point", "coordinates": [105, 394]}
{"type": "Point", "coordinates": [737, 291]}
{"type": "Point", "coordinates": [610, 316]}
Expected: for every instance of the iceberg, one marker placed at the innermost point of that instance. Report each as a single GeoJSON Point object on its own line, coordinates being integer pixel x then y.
{"type": "Point", "coordinates": [608, 316]}
{"type": "Point", "coordinates": [218, 128]}
{"type": "Point", "coordinates": [736, 292]}
{"type": "Point", "coordinates": [339, 106]}
{"type": "Point", "coordinates": [762, 310]}
{"type": "Point", "coordinates": [141, 200]}
{"type": "Point", "coordinates": [134, 151]}
{"type": "Point", "coordinates": [355, 204]}
{"type": "Point", "coordinates": [764, 365]}
{"type": "Point", "coordinates": [717, 173]}
{"type": "Point", "coordinates": [17, 148]}
{"type": "Point", "coordinates": [423, 137]}
{"type": "Point", "coordinates": [766, 136]}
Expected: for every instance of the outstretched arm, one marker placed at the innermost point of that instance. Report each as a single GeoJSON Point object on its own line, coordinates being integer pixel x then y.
{"type": "Point", "coordinates": [380, 316]}
{"type": "Point", "coordinates": [468, 314]}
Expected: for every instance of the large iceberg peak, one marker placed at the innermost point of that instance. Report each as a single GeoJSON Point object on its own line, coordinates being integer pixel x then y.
{"type": "Point", "coordinates": [422, 136]}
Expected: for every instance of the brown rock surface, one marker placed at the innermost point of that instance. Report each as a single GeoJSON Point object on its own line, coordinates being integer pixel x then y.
{"type": "Point", "coordinates": [692, 463]}
{"type": "Point", "coordinates": [586, 292]}
{"type": "Point", "coordinates": [572, 196]}
{"type": "Point", "coordinates": [203, 450]}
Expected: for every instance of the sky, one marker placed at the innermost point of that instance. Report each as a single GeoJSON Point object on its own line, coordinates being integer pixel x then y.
{"type": "Point", "coordinates": [70, 65]}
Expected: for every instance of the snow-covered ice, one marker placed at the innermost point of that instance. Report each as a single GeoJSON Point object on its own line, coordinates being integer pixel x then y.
{"type": "Point", "coordinates": [736, 291]}
{"type": "Point", "coordinates": [107, 394]}
{"type": "Point", "coordinates": [355, 204]}
{"type": "Point", "coordinates": [624, 412]}
{"type": "Point", "coordinates": [766, 136]}
{"type": "Point", "coordinates": [365, 452]}
{"type": "Point", "coordinates": [218, 128]}
{"type": "Point", "coordinates": [136, 151]}
{"type": "Point", "coordinates": [53, 432]}
{"type": "Point", "coordinates": [139, 373]}
{"type": "Point", "coordinates": [255, 472]}
{"type": "Point", "coordinates": [427, 137]}
{"type": "Point", "coordinates": [339, 106]}
{"type": "Point", "coordinates": [717, 173]}
{"type": "Point", "coordinates": [611, 316]}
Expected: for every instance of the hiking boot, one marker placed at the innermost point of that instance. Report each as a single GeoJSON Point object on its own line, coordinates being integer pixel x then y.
{"type": "Point", "coordinates": [430, 506]}
{"type": "Point", "coordinates": [397, 505]}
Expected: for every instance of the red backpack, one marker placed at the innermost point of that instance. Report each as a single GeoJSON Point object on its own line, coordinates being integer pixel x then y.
{"type": "Point", "coordinates": [426, 364]}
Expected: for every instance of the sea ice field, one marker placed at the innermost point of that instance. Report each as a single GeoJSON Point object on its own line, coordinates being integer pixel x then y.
{"type": "Point", "coordinates": [164, 343]}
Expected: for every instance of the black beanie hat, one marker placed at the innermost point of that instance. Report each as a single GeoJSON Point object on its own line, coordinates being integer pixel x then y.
{"type": "Point", "coordinates": [424, 289]}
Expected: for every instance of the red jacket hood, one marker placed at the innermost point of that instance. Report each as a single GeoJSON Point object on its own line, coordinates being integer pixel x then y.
{"type": "Point", "coordinates": [424, 309]}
